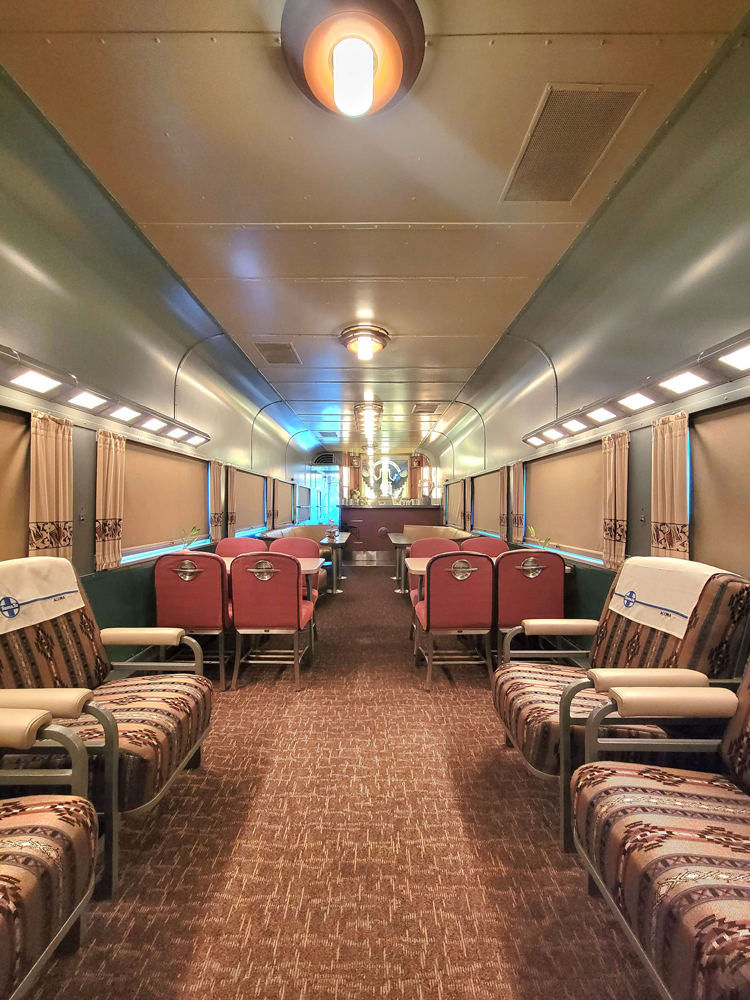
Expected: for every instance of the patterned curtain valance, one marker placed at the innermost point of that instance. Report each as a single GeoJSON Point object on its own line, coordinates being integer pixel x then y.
{"type": "Point", "coordinates": [110, 498]}
{"type": "Point", "coordinates": [51, 486]}
{"type": "Point", "coordinates": [615, 448]}
{"type": "Point", "coordinates": [669, 487]}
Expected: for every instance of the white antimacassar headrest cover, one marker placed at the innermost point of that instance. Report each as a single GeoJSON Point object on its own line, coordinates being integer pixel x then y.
{"type": "Point", "coordinates": [36, 589]}
{"type": "Point", "coordinates": [660, 593]}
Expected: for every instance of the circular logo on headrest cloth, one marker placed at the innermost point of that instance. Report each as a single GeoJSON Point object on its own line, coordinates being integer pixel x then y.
{"type": "Point", "coordinates": [629, 599]}
{"type": "Point", "coordinates": [9, 607]}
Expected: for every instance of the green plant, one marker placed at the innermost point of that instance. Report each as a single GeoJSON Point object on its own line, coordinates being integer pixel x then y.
{"type": "Point", "coordinates": [190, 536]}
{"type": "Point", "coordinates": [532, 534]}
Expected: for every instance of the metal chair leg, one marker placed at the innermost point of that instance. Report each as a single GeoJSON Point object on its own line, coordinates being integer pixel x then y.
{"type": "Point", "coordinates": [430, 650]}
{"type": "Point", "coordinates": [488, 656]}
{"type": "Point", "coordinates": [417, 629]}
{"type": "Point", "coordinates": [413, 622]}
{"type": "Point", "coordinates": [222, 654]}
{"type": "Point", "coordinates": [237, 659]}
{"type": "Point", "coordinates": [311, 645]}
{"type": "Point", "coordinates": [297, 685]}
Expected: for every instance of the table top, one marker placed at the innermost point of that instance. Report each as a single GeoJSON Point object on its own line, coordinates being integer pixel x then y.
{"type": "Point", "coordinates": [309, 566]}
{"type": "Point", "coordinates": [341, 539]}
{"type": "Point", "coordinates": [398, 539]}
{"type": "Point", "coordinates": [417, 566]}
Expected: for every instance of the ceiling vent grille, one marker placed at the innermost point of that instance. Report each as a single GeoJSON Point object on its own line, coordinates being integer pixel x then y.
{"type": "Point", "coordinates": [424, 408]}
{"type": "Point", "coordinates": [574, 126]}
{"type": "Point", "coordinates": [274, 353]}
{"type": "Point", "coordinates": [328, 435]}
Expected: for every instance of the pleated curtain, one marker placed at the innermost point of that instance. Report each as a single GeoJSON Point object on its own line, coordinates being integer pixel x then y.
{"type": "Point", "coordinates": [231, 502]}
{"type": "Point", "coordinates": [51, 486]}
{"type": "Point", "coordinates": [615, 449]}
{"type": "Point", "coordinates": [669, 487]}
{"type": "Point", "coordinates": [503, 515]}
{"type": "Point", "coordinates": [110, 498]}
{"type": "Point", "coordinates": [516, 499]}
{"type": "Point", "coordinates": [216, 509]}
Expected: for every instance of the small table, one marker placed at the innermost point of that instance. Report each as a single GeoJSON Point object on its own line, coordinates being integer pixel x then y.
{"type": "Point", "coordinates": [400, 543]}
{"type": "Point", "coordinates": [336, 545]}
{"type": "Point", "coordinates": [310, 568]}
{"type": "Point", "coordinates": [418, 567]}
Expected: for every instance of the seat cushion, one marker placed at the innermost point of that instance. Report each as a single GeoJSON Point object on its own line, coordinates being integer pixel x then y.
{"type": "Point", "coordinates": [47, 859]}
{"type": "Point", "coordinates": [527, 699]}
{"type": "Point", "coordinates": [159, 718]}
{"type": "Point", "coordinates": [420, 608]}
{"type": "Point", "coordinates": [414, 596]}
{"type": "Point", "coordinates": [673, 849]}
{"type": "Point", "coordinates": [306, 612]}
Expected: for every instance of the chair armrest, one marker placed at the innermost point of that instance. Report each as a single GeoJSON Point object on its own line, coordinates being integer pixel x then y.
{"type": "Point", "coordinates": [142, 636]}
{"type": "Point", "coordinates": [560, 626]}
{"type": "Point", "coordinates": [61, 703]}
{"type": "Point", "coordinates": [19, 726]}
{"type": "Point", "coordinates": [674, 702]}
{"type": "Point", "coordinates": [604, 679]}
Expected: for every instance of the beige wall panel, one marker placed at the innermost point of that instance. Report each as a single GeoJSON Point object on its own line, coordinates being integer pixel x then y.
{"type": "Point", "coordinates": [459, 16]}
{"type": "Point", "coordinates": [455, 504]}
{"type": "Point", "coordinates": [564, 499]}
{"type": "Point", "coordinates": [283, 503]}
{"type": "Point", "coordinates": [720, 455]}
{"type": "Point", "coordinates": [189, 112]}
{"type": "Point", "coordinates": [15, 440]}
{"type": "Point", "coordinates": [165, 495]}
{"type": "Point", "coordinates": [487, 502]}
{"type": "Point", "coordinates": [249, 493]}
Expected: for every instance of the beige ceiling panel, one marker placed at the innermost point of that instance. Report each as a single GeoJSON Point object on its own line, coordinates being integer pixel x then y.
{"type": "Point", "coordinates": [259, 310]}
{"type": "Point", "coordinates": [402, 352]}
{"type": "Point", "coordinates": [186, 129]}
{"type": "Point", "coordinates": [300, 394]}
{"type": "Point", "coordinates": [449, 16]}
{"type": "Point", "coordinates": [468, 251]}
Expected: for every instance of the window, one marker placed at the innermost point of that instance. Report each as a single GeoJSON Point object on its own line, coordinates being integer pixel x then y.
{"type": "Point", "coordinates": [565, 502]}
{"type": "Point", "coordinates": [15, 438]}
{"type": "Point", "coordinates": [303, 504]}
{"type": "Point", "coordinates": [249, 501]}
{"type": "Point", "coordinates": [454, 504]}
{"type": "Point", "coordinates": [720, 456]}
{"type": "Point", "coordinates": [166, 494]}
{"type": "Point", "coordinates": [489, 502]}
{"type": "Point", "coordinates": [283, 503]}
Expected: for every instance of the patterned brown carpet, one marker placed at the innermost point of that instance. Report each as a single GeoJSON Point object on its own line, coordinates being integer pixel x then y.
{"type": "Point", "coordinates": [362, 839]}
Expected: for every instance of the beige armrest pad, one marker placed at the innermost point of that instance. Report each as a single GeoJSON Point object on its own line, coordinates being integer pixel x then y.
{"type": "Point", "coordinates": [649, 677]}
{"type": "Point", "coordinates": [560, 626]}
{"type": "Point", "coordinates": [62, 703]}
{"type": "Point", "coordinates": [704, 703]}
{"type": "Point", "coordinates": [142, 636]}
{"type": "Point", "coordinates": [18, 726]}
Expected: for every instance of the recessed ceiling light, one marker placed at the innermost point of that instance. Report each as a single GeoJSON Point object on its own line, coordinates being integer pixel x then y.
{"type": "Point", "coordinates": [35, 381]}
{"type": "Point", "coordinates": [536, 441]}
{"type": "Point", "coordinates": [154, 425]}
{"type": "Point", "coordinates": [88, 400]}
{"type": "Point", "coordinates": [738, 359]}
{"type": "Point", "coordinates": [575, 425]}
{"type": "Point", "coordinates": [601, 415]}
{"type": "Point", "coordinates": [196, 439]}
{"type": "Point", "coordinates": [176, 433]}
{"type": "Point", "coordinates": [684, 382]}
{"type": "Point", "coordinates": [637, 401]}
{"type": "Point", "coordinates": [125, 414]}
{"type": "Point", "coordinates": [552, 434]}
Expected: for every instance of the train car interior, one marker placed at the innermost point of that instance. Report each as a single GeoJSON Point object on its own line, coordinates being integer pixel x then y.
{"type": "Point", "coordinates": [374, 448]}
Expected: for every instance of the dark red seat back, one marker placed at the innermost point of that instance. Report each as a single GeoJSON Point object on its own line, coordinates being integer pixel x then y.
{"type": "Point", "coordinates": [191, 591]}
{"type": "Point", "coordinates": [530, 584]}
{"type": "Point", "coordinates": [425, 548]}
{"type": "Point", "coordinates": [458, 591]}
{"type": "Point", "coordinates": [266, 591]}
{"type": "Point", "coordinates": [490, 546]}
{"type": "Point", "coordinates": [227, 548]}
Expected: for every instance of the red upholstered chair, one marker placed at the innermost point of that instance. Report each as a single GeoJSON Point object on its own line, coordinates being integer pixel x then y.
{"type": "Point", "coordinates": [530, 584]}
{"type": "Point", "coordinates": [303, 548]}
{"type": "Point", "coordinates": [191, 593]}
{"type": "Point", "coordinates": [458, 591]}
{"type": "Point", "coordinates": [490, 546]}
{"type": "Point", "coordinates": [424, 548]}
{"type": "Point", "coordinates": [228, 548]}
{"type": "Point", "coordinates": [267, 600]}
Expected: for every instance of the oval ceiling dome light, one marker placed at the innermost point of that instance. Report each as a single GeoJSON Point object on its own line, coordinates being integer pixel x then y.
{"type": "Point", "coordinates": [364, 340]}
{"type": "Point", "coordinates": [353, 76]}
{"type": "Point", "coordinates": [353, 57]}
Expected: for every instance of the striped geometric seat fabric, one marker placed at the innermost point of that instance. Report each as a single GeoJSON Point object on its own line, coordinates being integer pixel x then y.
{"type": "Point", "coordinates": [673, 849]}
{"type": "Point", "coordinates": [716, 642]}
{"type": "Point", "coordinates": [47, 858]}
{"type": "Point", "coordinates": [159, 717]}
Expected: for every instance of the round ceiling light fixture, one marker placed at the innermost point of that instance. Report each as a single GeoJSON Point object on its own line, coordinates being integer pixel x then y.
{"type": "Point", "coordinates": [364, 340]}
{"type": "Point", "coordinates": [353, 57]}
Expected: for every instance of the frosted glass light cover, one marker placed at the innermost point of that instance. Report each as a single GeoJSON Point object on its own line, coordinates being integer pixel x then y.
{"type": "Point", "coordinates": [353, 77]}
{"type": "Point", "coordinates": [364, 348]}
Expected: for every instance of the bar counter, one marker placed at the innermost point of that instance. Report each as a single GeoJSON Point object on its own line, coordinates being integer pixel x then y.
{"type": "Point", "coordinates": [369, 527]}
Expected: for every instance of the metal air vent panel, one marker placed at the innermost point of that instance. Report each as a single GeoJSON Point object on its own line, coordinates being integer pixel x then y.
{"type": "Point", "coordinates": [573, 128]}
{"type": "Point", "coordinates": [275, 353]}
{"type": "Point", "coordinates": [424, 407]}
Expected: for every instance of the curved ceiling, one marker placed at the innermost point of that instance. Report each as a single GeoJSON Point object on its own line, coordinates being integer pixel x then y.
{"type": "Point", "coordinates": [289, 223]}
